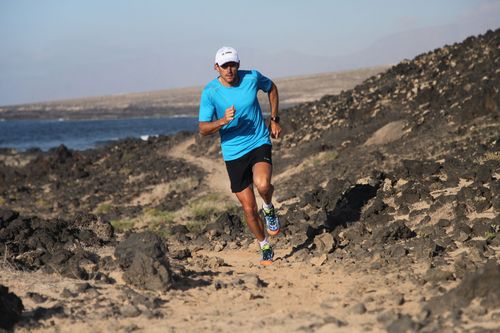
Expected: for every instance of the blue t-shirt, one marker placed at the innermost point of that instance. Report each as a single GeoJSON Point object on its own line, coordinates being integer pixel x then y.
{"type": "Point", "coordinates": [247, 130]}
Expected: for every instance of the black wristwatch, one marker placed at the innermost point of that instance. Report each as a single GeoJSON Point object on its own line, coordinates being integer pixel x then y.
{"type": "Point", "coordinates": [276, 119]}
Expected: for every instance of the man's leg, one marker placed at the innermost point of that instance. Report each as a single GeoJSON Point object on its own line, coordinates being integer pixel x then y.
{"type": "Point", "coordinates": [262, 179]}
{"type": "Point", "coordinates": [262, 172]}
{"type": "Point", "coordinates": [249, 204]}
{"type": "Point", "coordinates": [254, 222]}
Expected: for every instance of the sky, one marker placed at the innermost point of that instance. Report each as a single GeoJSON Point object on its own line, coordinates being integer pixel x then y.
{"type": "Point", "coordinates": [62, 49]}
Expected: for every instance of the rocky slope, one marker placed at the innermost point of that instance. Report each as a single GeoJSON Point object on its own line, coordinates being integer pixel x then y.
{"type": "Point", "coordinates": [112, 181]}
{"type": "Point", "coordinates": [389, 195]}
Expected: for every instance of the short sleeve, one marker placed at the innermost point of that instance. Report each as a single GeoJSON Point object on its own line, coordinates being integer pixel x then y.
{"type": "Point", "coordinates": [207, 109]}
{"type": "Point", "coordinates": [263, 82]}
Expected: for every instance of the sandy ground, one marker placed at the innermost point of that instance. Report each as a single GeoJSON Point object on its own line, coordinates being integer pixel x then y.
{"type": "Point", "coordinates": [290, 296]}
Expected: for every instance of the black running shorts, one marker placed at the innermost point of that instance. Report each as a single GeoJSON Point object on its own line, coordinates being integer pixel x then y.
{"type": "Point", "coordinates": [240, 169]}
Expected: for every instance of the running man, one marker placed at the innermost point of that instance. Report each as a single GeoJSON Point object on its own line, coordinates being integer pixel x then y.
{"type": "Point", "coordinates": [229, 106]}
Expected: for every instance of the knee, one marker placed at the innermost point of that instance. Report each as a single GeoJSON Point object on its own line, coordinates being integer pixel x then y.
{"type": "Point", "coordinates": [250, 210]}
{"type": "Point", "coordinates": [263, 185]}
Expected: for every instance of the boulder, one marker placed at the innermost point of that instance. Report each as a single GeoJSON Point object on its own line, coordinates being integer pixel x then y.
{"type": "Point", "coordinates": [11, 308]}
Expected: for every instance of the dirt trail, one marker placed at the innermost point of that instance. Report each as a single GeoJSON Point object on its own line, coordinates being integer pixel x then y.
{"type": "Point", "coordinates": [216, 179]}
{"type": "Point", "coordinates": [289, 296]}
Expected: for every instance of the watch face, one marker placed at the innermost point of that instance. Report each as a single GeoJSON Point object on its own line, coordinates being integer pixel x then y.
{"type": "Point", "coordinates": [276, 119]}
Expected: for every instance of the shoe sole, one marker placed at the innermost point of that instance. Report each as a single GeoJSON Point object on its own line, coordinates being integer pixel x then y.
{"type": "Point", "coordinates": [273, 233]}
{"type": "Point", "coordinates": [266, 262]}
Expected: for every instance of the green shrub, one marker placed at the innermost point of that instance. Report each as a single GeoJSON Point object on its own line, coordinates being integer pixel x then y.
{"type": "Point", "coordinates": [123, 224]}
{"type": "Point", "coordinates": [103, 209]}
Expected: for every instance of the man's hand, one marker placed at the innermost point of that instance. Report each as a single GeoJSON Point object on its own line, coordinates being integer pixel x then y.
{"type": "Point", "coordinates": [229, 115]}
{"type": "Point", "coordinates": [275, 129]}
{"type": "Point", "coordinates": [210, 127]}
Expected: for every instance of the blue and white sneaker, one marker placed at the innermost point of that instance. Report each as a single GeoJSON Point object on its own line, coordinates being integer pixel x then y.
{"type": "Point", "coordinates": [267, 255]}
{"type": "Point", "coordinates": [272, 221]}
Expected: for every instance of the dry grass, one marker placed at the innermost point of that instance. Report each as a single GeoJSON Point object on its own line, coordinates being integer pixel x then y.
{"type": "Point", "coordinates": [103, 208]}
{"type": "Point", "coordinates": [490, 156]}
{"type": "Point", "coordinates": [159, 191]}
{"type": "Point", "coordinates": [122, 225]}
{"type": "Point", "coordinates": [203, 210]}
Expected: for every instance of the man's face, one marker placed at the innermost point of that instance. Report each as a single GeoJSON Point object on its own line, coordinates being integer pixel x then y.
{"type": "Point", "coordinates": [228, 72]}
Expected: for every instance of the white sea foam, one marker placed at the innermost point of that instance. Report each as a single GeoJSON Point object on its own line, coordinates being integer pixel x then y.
{"type": "Point", "coordinates": [146, 137]}
{"type": "Point", "coordinates": [182, 115]}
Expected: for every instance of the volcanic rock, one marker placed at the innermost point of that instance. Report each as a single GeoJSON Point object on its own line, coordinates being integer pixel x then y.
{"type": "Point", "coordinates": [473, 199]}
{"type": "Point", "coordinates": [34, 243]}
{"type": "Point", "coordinates": [483, 284]}
{"type": "Point", "coordinates": [404, 324]}
{"type": "Point", "coordinates": [66, 182]}
{"type": "Point", "coordinates": [36, 297]}
{"type": "Point", "coordinates": [325, 243]}
{"type": "Point", "coordinates": [11, 308]}
{"type": "Point", "coordinates": [143, 258]}
{"type": "Point", "coordinates": [396, 231]}
{"type": "Point", "coordinates": [228, 227]}
{"type": "Point", "coordinates": [426, 248]}
{"type": "Point", "coordinates": [359, 309]}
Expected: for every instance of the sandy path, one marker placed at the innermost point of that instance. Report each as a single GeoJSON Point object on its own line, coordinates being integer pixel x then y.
{"type": "Point", "coordinates": [216, 179]}
{"type": "Point", "coordinates": [295, 296]}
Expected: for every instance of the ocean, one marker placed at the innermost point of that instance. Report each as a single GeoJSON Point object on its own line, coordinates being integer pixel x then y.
{"type": "Point", "coordinates": [84, 134]}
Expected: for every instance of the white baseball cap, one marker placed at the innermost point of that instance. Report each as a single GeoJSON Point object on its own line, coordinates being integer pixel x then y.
{"type": "Point", "coordinates": [226, 54]}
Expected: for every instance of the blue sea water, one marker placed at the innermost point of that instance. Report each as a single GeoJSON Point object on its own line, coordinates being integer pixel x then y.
{"type": "Point", "coordinates": [84, 134]}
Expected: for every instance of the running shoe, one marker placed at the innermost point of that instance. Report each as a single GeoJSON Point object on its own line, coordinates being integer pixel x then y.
{"type": "Point", "coordinates": [267, 255]}
{"type": "Point", "coordinates": [272, 221]}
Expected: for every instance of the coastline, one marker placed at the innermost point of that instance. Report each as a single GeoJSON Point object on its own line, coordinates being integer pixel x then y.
{"type": "Point", "coordinates": [83, 134]}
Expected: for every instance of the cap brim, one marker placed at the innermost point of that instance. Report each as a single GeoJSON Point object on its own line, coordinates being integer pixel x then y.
{"type": "Point", "coordinates": [228, 60]}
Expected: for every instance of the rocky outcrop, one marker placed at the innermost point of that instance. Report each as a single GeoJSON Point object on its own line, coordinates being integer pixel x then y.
{"type": "Point", "coordinates": [482, 285]}
{"type": "Point", "coordinates": [54, 245]}
{"type": "Point", "coordinates": [107, 181]}
{"type": "Point", "coordinates": [445, 104]}
{"type": "Point", "coordinates": [143, 258]}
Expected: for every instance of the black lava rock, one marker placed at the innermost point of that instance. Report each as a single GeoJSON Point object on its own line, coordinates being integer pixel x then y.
{"type": "Point", "coordinates": [11, 308]}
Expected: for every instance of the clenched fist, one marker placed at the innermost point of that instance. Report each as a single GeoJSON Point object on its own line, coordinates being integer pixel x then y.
{"type": "Point", "coordinates": [229, 115]}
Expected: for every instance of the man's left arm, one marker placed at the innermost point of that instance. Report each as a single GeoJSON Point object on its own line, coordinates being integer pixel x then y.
{"type": "Point", "coordinates": [274, 125]}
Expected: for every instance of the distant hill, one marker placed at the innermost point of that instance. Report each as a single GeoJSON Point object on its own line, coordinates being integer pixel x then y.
{"type": "Point", "coordinates": [183, 101]}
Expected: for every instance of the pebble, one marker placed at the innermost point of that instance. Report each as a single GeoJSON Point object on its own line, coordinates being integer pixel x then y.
{"type": "Point", "coordinates": [129, 311]}
{"type": "Point", "coordinates": [130, 328]}
{"type": "Point", "coordinates": [215, 262]}
{"type": "Point", "coordinates": [399, 299]}
{"type": "Point", "coordinates": [66, 293]}
{"type": "Point", "coordinates": [358, 308]}
{"type": "Point", "coordinates": [36, 297]}
{"type": "Point", "coordinates": [218, 247]}
{"type": "Point", "coordinates": [423, 315]}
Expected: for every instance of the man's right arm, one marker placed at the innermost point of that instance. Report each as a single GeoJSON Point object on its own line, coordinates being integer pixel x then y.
{"type": "Point", "coordinates": [211, 127]}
